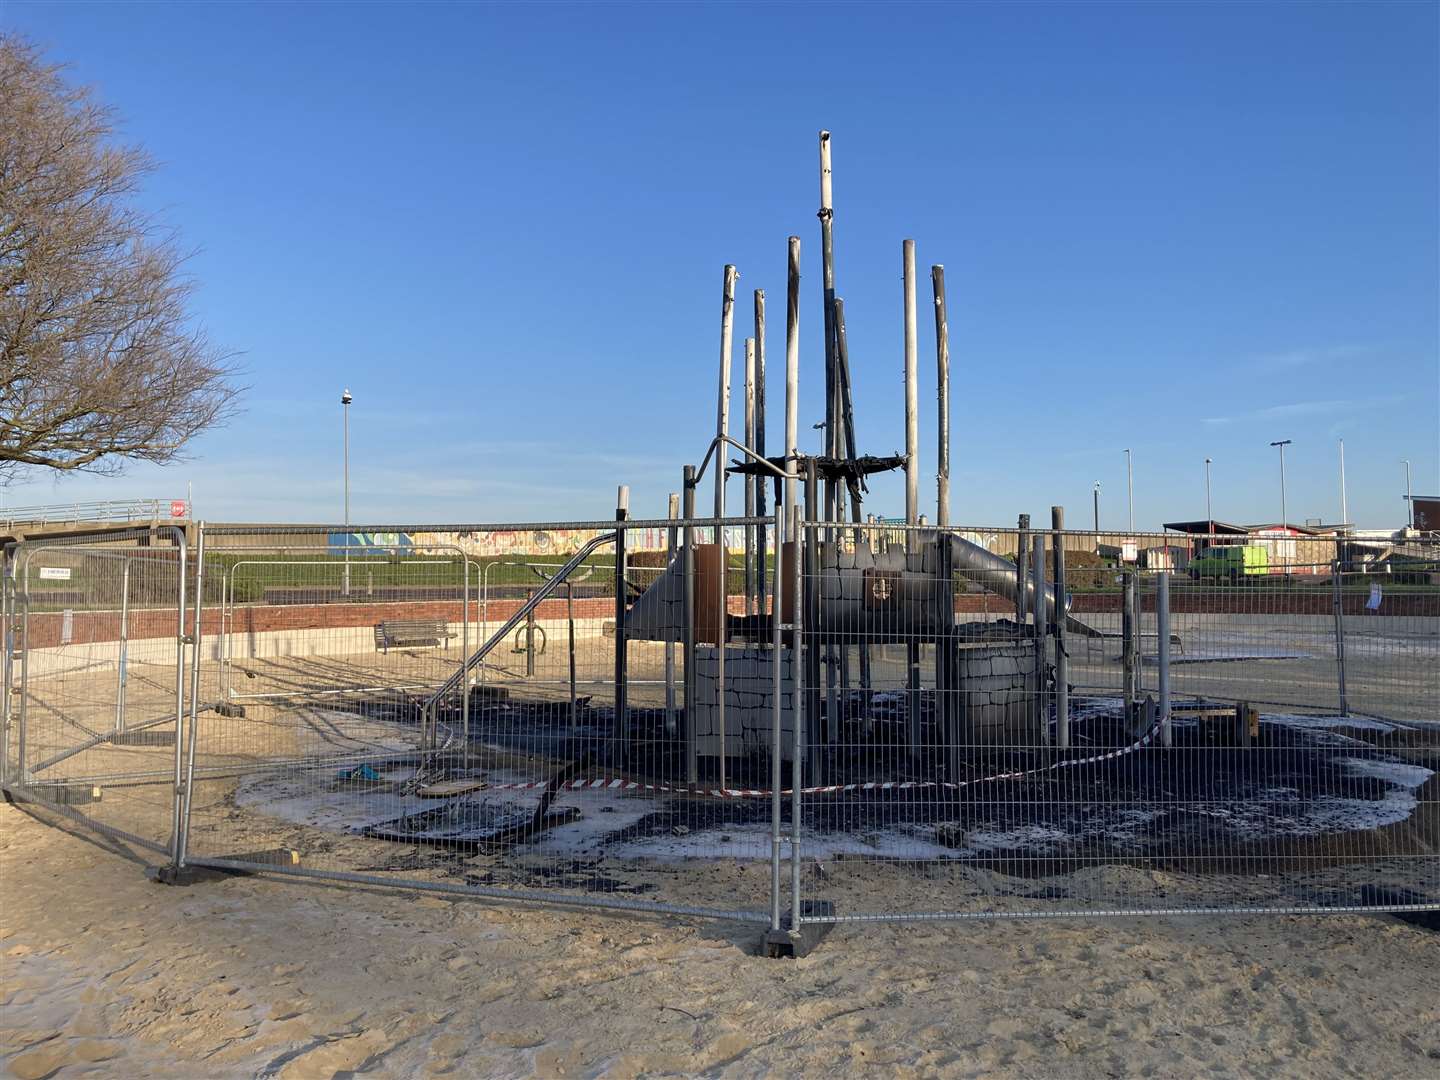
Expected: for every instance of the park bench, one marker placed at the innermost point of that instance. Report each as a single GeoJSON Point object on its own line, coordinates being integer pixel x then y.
{"type": "Point", "coordinates": [393, 633]}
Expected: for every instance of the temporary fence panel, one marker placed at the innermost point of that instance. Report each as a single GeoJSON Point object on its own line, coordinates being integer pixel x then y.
{"type": "Point", "coordinates": [514, 724]}
{"type": "Point", "coordinates": [973, 758]}
{"type": "Point", "coordinates": [94, 672]}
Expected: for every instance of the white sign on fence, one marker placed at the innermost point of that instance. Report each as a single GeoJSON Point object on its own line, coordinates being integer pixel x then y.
{"type": "Point", "coordinates": [54, 573]}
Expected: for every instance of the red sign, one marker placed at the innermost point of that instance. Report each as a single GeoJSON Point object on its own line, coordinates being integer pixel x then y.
{"type": "Point", "coordinates": [178, 508]}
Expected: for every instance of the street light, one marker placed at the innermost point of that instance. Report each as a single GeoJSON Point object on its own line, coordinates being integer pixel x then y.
{"type": "Point", "coordinates": [1282, 443]}
{"type": "Point", "coordinates": [1130, 487]}
{"type": "Point", "coordinates": [1406, 463]}
{"type": "Point", "coordinates": [1209, 515]}
{"type": "Point", "coordinates": [1344, 509]}
{"type": "Point", "coordinates": [1097, 509]}
{"type": "Point", "coordinates": [345, 400]}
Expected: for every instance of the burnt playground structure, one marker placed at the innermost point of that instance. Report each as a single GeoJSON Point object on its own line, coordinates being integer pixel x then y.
{"type": "Point", "coordinates": [798, 715]}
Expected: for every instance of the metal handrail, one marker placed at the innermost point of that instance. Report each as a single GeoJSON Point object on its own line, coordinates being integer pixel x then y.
{"type": "Point", "coordinates": [83, 512]}
{"type": "Point", "coordinates": [503, 633]}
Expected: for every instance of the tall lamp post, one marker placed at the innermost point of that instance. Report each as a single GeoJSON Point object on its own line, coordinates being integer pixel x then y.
{"type": "Point", "coordinates": [1097, 511]}
{"type": "Point", "coordinates": [1282, 443]}
{"type": "Point", "coordinates": [345, 400]}
{"type": "Point", "coordinates": [1130, 488]}
{"type": "Point", "coordinates": [1209, 514]}
{"type": "Point", "coordinates": [1344, 509]}
{"type": "Point", "coordinates": [1410, 501]}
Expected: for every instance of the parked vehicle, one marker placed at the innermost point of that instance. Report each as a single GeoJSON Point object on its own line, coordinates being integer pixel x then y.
{"type": "Point", "coordinates": [1231, 562]}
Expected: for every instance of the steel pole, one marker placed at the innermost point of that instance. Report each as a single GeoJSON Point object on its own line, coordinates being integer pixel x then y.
{"type": "Point", "coordinates": [1130, 488]}
{"type": "Point", "coordinates": [792, 371]}
{"type": "Point", "coordinates": [912, 401]}
{"type": "Point", "coordinates": [832, 380]}
{"type": "Point", "coordinates": [942, 365]}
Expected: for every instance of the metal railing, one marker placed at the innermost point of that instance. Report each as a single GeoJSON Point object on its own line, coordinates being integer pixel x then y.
{"type": "Point", "coordinates": [912, 730]}
{"type": "Point", "coordinates": [104, 512]}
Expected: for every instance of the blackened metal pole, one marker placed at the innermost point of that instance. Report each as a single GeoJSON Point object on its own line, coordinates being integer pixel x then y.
{"type": "Point", "coordinates": [1062, 659]}
{"type": "Point", "coordinates": [827, 260]}
{"type": "Point", "coordinates": [761, 545]}
{"type": "Point", "coordinates": [752, 480]}
{"type": "Point", "coordinates": [621, 732]}
{"type": "Point", "coordinates": [792, 373]}
{"type": "Point", "coordinates": [847, 418]}
{"type": "Point", "coordinates": [912, 394]}
{"type": "Point", "coordinates": [687, 490]}
{"type": "Point", "coordinates": [942, 364]}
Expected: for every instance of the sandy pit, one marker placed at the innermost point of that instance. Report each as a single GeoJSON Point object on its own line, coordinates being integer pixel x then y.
{"type": "Point", "coordinates": [107, 974]}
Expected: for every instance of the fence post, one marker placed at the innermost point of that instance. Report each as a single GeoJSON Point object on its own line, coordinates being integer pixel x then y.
{"type": "Point", "coordinates": [121, 674]}
{"type": "Point", "coordinates": [797, 772]}
{"type": "Point", "coordinates": [672, 511]}
{"type": "Point", "coordinates": [1127, 644]}
{"type": "Point", "coordinates": [1022, 568]}
{"type": "Point", "coordinates": [687, 489]}
{"type": "Point", "coordinates": [777, 728]}
{"type": "Point", "coordinates": [176, 803]}
{"type": "Point", "coordinates": [1062, 659]}
{"type": "Point", "coordinates": [1340, 636]}
{"type": "Point", "coordinates": [620, 733]}
{"type": "Point", "coordinates": [1162, 632]}
{"type": "Point", "coordinates": [1040, 613]}
{"type": "Point", "coordinates": [196, 638]}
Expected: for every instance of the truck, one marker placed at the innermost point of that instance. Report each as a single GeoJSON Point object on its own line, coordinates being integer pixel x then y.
{"type": "Point", "coordinates": [1230, 562]}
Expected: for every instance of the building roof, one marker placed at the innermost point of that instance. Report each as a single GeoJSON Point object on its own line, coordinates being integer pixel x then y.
{"type": "Point", "coordinates": [1227, 528]}
{"type": "Point", "coordinates": [1206, 526]}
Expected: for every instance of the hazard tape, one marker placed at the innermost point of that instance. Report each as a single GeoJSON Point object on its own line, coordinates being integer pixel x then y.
{"type": "Point", "coordinates": [623, 784]}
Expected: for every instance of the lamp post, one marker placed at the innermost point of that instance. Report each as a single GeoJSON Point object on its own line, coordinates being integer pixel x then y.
{"type": "Point", "coordinates": [345, 400]}
{"type": "Point", "coordinates": [1097, 511]}
{"type": "Point", "coordinates": [1344, 510]}
{"type": "Point", "coordinates": [1130, 487]}
{"type": "Point", "coordinates": [1282, 443]}
{"type": "Point", "coordinates": [1408, 500]}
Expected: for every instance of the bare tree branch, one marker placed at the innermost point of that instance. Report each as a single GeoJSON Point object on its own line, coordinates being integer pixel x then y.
{"type": "Point", "coordinates": [99, 361]}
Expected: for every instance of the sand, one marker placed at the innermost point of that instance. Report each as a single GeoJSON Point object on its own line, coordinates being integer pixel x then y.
{"type": "Point", "coordinates": [103, 973]}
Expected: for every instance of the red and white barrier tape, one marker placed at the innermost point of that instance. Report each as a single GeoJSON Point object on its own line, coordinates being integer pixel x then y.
{"type": "Point", "coordinates": [622, 784]}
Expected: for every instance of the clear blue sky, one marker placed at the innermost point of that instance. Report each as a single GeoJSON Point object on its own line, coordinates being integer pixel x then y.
{"type": "Point", "coordinates": [1185, 229]}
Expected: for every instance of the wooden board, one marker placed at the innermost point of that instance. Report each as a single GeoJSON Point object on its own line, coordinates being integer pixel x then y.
{"type": "Point", "coordinates": [445, 789]}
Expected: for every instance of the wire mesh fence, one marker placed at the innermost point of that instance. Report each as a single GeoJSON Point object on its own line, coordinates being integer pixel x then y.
{"type": "Point", "coordinates": [95, 651]}
{"type": "Point", "coordinates": [1162, 738]}
{"type": "Point", "coordinates": [861, 722]}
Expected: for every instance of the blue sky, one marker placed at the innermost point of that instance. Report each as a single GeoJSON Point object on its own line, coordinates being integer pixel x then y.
{"type": "Point", "coordinates": [1184, 229]}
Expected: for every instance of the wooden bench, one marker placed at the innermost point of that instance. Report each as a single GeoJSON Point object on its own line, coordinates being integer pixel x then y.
{"type": "Point", "coordinates": [397, 632]}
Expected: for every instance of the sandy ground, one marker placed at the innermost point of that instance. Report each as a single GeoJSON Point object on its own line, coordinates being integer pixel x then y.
{"type": "Point", "coordinates": [107, 974]}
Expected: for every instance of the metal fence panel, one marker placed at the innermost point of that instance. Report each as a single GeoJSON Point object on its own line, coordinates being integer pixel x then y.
{"type": "Point", "coordinates": [94, 664]}
{"type": "Point", "coordinates": [968, 759]}
{"type": "Point", "coordinates": [483, 712]}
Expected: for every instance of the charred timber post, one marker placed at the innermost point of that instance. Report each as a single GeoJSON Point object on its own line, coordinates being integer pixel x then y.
{"type": "Point", "coordinates": [761, 534]}
{"type": "Point", "coordinates": [722, 409]}
{"type": "Point", "coordinates": [847, 419]}
{"type": "Point", "coordinates": [827, 261]}
{"type": "Point", "coordinates": [792, 372]}
{"type": "Point", "coordinates": [942, 363]}
{"type": "Point", "coordinates": [751, 480]}
{"type": "Point", "coordinates": [912, 399]}
{"type": "Point", "coordinates": [1038, 610]}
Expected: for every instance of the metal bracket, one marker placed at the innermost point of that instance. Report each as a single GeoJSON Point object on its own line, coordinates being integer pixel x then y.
{"type": "Point", "coordinates": [790, 942]}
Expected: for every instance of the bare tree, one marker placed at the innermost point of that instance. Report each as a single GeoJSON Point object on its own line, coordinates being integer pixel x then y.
{"type": "Point", "coordinates": [99, 360]}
